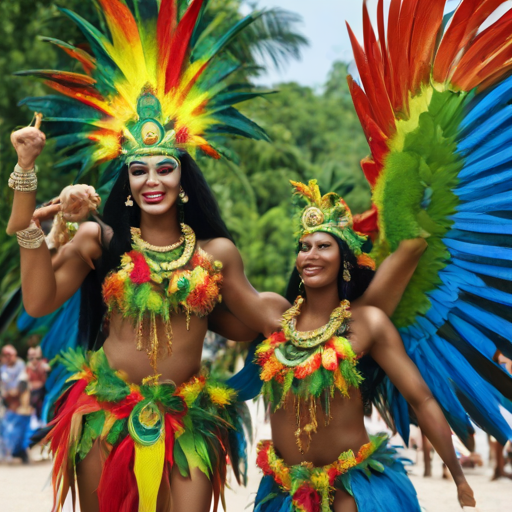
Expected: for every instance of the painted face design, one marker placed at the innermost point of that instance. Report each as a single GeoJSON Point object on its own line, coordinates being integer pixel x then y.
{"type": "Point", "coordinates": [155, 183]}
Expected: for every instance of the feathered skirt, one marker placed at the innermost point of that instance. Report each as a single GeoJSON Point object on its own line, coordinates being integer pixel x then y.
{"type": "Point", "coordinates": [375, 477]}
{"type": "Point", "coordinates": [144, 430]}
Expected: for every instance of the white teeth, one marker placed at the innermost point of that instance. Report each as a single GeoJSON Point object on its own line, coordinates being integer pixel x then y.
{"type": "Point", "coordinates": [154, 196]}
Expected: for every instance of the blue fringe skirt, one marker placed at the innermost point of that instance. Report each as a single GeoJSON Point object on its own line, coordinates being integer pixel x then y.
{"type": "Point", "coordinates": [375, 477]}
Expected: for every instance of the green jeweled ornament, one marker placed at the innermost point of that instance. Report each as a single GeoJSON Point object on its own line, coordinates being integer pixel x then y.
{"type": "Point", "coordinates": [146, 423]}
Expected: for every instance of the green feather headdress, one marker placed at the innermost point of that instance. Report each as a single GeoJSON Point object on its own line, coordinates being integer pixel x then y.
{"type": "Point", "coordinates": [155, 84]}
{"type": "Point", "coordinates": [329, 214]}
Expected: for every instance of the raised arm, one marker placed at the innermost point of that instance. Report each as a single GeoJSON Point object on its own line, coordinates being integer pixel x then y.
{"type": "Point", "coordinates": [28, 143]}
{"type": "Point", "coordinates": [261, 312]}
{"type": "Point", "coordinates": [223, 322]}
{"type": "Point", "coordinates": [393, 276]}
{"type": "Point", "coordinates": [389, 352]}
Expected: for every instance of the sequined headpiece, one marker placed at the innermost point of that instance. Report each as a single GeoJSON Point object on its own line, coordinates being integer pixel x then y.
{"type": "Point", "coordinates": [329, 214]}
{"type": "Point", "coordinates": [155, 84]}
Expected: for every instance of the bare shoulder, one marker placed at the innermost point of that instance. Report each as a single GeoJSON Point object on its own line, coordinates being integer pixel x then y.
{"type": "Point", "coordinates": [370, 319]}
{"type": "Point", "coordinates": [221, 249]}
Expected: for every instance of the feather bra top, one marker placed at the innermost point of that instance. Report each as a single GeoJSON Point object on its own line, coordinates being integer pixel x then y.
{"type": "Point", "coordinates": [155, 282]}
{"type": "Point", "coordinates": [310, 365]}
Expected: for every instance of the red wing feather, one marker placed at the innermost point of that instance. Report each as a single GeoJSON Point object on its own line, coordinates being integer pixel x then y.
{"type": "Point", "coordinates": [395, 54]}
{"type": "Point", "coordinates": [403, 71]}
{"type": "Point", "coordinates": [361, 103]}
{"type": "Point", "coordinates": [367, 79]}
{"type": "Point", "coordinates": [487, 44]}
{"type": "Point", "coordinates": [381, 106]}
{"type": "Point", "coordinates": [428, 20]}
{"type": "Point", "coordinates": [384, 51]}
{"type": "Point", "coordinates": [462, 28]}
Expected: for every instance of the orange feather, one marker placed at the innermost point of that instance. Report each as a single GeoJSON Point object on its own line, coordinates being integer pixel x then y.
{"type": "Point", "coordinates": [428, 20]}
{"type": "Point", "coordinates": [464, 25]}
{"type": "Point", "coordinates": [395, 54]}
{"type": "Point", "coordinates": [484, 48]}
{"type": "Point", "coordinates": [384, 51]}
{"type": "Point", "coordinates": [381, 105]}
{"type": "Point", "coordinates": [361, 103]}
{"type": "Point", "coordinates": [403, 70]}
{"type": "Point", "coordinates": [121, 22]}
{"type": "Point", "coordinates": [179, 44]}
{"type": "Point", "coordinates": [165, 30]}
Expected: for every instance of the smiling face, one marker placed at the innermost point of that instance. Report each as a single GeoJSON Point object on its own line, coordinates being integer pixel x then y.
{"type": "Point", "coordinates": [155, 183]}
{"type": "Point", "coordinates": [318, 261]}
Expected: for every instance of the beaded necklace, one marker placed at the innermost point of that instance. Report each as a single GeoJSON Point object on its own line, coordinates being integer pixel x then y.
{"type": "Point", "coordinates": [152, 283]}
{"type": "Point", "coordinates": [309, 364]}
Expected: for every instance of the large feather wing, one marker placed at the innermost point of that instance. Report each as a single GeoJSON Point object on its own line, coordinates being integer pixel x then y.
{"type": "Point", "coordinates": [434, 102]}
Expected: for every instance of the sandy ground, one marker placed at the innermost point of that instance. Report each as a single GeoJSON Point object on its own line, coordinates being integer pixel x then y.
{"type": "Point", "coordinates": [27, 489]}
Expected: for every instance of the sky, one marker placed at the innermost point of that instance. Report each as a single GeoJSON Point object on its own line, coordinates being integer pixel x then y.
{"type": "Point", "coordinates": [324, 25]}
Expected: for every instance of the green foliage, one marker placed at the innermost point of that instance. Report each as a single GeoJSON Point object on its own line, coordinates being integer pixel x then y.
{"type": "Point", "coordinates": [315, 134]}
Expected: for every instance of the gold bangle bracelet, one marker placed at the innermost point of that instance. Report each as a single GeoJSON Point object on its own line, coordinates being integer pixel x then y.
{"type": "Point", "coordinates": [30, 238]}
{"type": "Point", "coordinates": [23, 181]}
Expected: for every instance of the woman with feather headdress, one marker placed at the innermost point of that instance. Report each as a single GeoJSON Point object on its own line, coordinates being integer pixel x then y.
{"type": "Point", "coordinates": [433, 98]}
{"type": "Point", "coordinates": [139, 426]}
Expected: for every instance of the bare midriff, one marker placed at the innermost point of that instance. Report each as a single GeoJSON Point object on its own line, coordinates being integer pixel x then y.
{"type": "Point", "coordinates": [185, 361]}
{"type": "Point", "coordinates": [345, 431]}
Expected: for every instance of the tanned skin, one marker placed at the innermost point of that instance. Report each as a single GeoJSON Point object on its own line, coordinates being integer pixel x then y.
{"type": "Point", "coordinates": [371, 332]}
{"type": "Point", "coordinates": [47, 284]}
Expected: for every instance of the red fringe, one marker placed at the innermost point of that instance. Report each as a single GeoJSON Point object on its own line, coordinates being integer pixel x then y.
{"type": "Point", "coordinates": [118, 486]}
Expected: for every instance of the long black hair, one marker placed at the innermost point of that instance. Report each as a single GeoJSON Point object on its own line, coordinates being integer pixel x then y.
{"type": "Point", "coordinates": [201, 213]}
{"type": "Point", "coordinates": [360, 277]}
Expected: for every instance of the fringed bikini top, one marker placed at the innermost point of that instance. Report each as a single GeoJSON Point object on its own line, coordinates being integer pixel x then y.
{"type": "Point", "coordinates": [309, 364]}
{"type": "Point", "coordinates": [155, 282]}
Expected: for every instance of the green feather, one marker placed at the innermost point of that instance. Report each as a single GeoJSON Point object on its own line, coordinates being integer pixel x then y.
{"type": "Point", "coordinates": [118, 428]}
{"type": "Point", "coordinates": [92, 429]}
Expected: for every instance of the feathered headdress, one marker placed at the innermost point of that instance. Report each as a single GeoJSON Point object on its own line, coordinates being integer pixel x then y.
{"type": "Point", "coordinates": [155, 85]}
{"type": "Point", "coordinates": [330, 214]}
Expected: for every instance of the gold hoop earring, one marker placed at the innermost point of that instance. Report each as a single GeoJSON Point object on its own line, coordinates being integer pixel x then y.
{"type": "Point", "coordinates": [183, 196]}
{"type": "Point", "coordinates": [346, 271]}
{"type": "Point", "coordinates": [301, 285]}
{"type": "Point", "coordinates": [129, 201]}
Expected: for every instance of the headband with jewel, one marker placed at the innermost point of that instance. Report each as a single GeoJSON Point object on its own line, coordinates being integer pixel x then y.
{"type": "Point", "coordinates": [155, 84]}
{"type": "Point", "coordinates": [329, 214]}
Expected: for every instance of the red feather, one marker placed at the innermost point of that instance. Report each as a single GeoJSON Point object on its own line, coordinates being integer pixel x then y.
{"type": "Point", "coordinates": [118, 486]}
{"type": "Point", "coordinates": [307, 498]}
{"type": "Point", "coordinates": [371, 170]}
{"type": "Point", "coordinates": [165, 29]}
{"type": "Point", "coordinates": [361, 103]}
{"type": "Point", "coordinates": [403, 69]}
{"type": "Point", "coordinates": [384, 51]}
{"type": "Point", "coordinates": [395, 54]}
{"type": "Point", "coordinates": [483, 49]}
{"type": "Point", "coordinates": [382, 107]}
{"type": "Point", "coordinates": [367, 222]}
{"type": "Point", "coordinates": [428, 20]}
{"type": "Point", "coordinates": [464, 25]}
{"type": "Point", "coordinates": [179, 45]}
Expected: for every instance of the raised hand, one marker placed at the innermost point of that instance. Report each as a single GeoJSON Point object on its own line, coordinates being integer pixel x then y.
{"type": "Point", "coordinates": [77, 201]}
{"type": "Point", "coordinates": [28, 143]}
